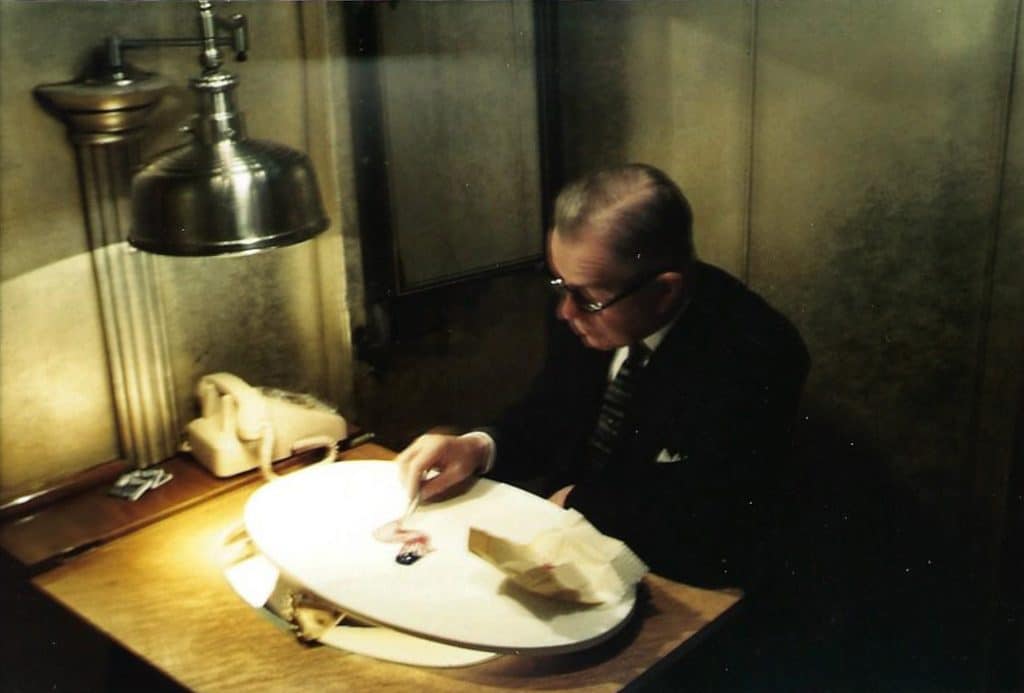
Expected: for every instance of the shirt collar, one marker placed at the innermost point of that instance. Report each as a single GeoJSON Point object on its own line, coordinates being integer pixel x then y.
{"type": "Point", "coordinates": [654, 339]}
{"type": "Point", "coordinates": [651, 341]}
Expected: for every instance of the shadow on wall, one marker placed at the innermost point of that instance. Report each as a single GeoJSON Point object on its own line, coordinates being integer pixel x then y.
{"type": "Point", "coordinates": [455, 356]}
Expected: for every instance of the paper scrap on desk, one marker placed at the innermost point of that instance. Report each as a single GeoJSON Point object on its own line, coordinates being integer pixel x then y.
{"type": "Point", "coordinates": [573, 562]}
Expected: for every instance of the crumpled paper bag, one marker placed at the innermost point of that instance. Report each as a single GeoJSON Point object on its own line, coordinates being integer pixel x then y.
{"type": "Point", "coordinates": [573, 562]}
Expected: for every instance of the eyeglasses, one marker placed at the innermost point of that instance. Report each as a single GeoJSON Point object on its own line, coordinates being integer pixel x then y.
{"type": "Point", "coordinates": [588, 305]}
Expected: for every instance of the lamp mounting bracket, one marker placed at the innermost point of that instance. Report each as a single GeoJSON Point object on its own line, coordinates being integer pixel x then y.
{"type": "Point", "coordinates": [214, 31]}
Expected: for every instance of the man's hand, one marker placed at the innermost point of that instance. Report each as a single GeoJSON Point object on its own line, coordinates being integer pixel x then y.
{"type": "Point", "coordinates": [454, 458]}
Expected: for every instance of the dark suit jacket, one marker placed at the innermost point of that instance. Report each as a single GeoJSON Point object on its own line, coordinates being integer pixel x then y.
{"type": "Point", "coordinates": [719, 396]}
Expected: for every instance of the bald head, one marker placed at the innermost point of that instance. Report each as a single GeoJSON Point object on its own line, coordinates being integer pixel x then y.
{"type": "Point", "coordinates": [637, 210]}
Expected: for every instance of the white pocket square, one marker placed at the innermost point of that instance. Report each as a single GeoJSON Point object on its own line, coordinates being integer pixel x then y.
{"type": "Point", "coordinates": [666, 456]}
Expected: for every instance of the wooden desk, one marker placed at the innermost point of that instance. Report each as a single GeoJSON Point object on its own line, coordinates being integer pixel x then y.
{"type": "Point", "coordinates": [159, 591]}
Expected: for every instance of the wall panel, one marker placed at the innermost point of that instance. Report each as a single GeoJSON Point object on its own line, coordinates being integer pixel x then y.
{"type": "Point", "coordinates": [667, 83]}
{"type": "Point", "coordinates": [447, 149]}
{"type": "Point", "coordinates": [56, 404]}
{"type": "Point", "coordinates": [876, 169]}
{"type": "Point", "coordinates": [256, 316]}
{"type": "Point", "coordinates": [1000, 442]}
{"type": "Point", "coordinates": [42, 221]}
{"type": "Point", "coordinates": [458, 93]}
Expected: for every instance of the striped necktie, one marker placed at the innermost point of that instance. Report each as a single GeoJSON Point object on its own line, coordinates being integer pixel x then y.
{"type": "Point", "coordinates": [607, 435]}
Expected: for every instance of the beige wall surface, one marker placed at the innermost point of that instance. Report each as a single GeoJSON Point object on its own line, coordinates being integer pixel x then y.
{"type": "Point", "coordinates": [876, 175]}
{"type": "Point", "coordinates": [459, 154]}
{"type": "Point", "coordinates": [459, 123]}
{"type": "Point", "coordinates": [276, 318]}
{"type": "Point", "coordinates": [56, 406]}
{"type": "Point", "coordinates": [1000, 382]}
{"type": "Point", "coordinates": [666, 83]}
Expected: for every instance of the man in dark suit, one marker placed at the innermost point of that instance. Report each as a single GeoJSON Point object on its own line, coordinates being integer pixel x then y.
{"type": "Point", "coordinates": [664, 409]}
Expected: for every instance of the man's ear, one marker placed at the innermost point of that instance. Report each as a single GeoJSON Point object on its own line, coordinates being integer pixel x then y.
{"type": "Point", "coordinates": [672, 287]}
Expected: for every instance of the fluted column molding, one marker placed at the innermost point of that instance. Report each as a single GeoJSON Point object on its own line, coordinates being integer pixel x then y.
{"type": "Point", "coordinates": [105, 119]}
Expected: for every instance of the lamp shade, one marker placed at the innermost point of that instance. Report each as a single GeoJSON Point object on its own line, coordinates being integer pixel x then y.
{"type": "Point", "coordinates": [229, 196]}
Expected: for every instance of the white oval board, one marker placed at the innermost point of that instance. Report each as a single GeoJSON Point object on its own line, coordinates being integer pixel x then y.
{"type": "Point", "coordinates": [316, 526]}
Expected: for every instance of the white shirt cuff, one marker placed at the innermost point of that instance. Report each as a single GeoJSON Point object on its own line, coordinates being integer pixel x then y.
{"type": "Point", "coordinates": [488, 464]}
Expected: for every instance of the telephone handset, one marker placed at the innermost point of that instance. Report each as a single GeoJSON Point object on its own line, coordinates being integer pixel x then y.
{"type": "Point", "coordinates": [241, 427]}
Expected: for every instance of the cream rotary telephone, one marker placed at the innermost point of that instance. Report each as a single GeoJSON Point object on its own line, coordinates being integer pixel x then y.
{"type": "Point", "coordinates": [241, 427]}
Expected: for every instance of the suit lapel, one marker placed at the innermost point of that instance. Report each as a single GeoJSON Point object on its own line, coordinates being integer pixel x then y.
{"type": "Point", "coordinates": [665, 377]}
{"type": "Point", "coordinates": [672, 373]}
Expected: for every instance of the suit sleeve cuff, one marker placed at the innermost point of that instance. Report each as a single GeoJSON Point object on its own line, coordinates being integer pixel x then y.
{"type": "Point", "coordinates": [488, 463]}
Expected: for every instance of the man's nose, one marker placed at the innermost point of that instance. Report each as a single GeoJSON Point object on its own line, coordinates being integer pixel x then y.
{"type": "Point", "coordinates": [567, 308]}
